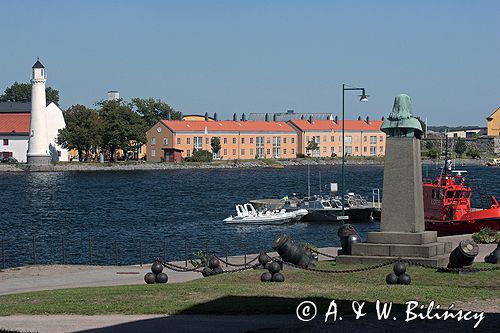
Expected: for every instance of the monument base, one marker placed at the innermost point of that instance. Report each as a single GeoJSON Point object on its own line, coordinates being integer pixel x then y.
{"type": "Point", "coordinates": [421, 247]}
{"type": "Point", "coordinates": [39, 160]}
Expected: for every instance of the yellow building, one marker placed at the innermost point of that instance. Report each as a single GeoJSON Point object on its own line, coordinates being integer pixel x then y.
{"type": "Point", "coordinates": [494, 123]}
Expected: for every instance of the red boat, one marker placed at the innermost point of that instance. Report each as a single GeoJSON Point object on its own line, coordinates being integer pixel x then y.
{"type": "Point", "coordinates": [447, 207]}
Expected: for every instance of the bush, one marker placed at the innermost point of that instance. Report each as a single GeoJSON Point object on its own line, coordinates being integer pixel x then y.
{"type": "Point", "coordinates": [433, 153]}
{"type": "Point", "coordinates": [486, 236]}
{"type": "Point", "coordinates": [200, 156]}
{"type": "Point", "coordinates": [473, 153]}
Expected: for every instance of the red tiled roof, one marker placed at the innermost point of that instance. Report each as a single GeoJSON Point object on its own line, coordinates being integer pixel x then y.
{"type": "Point", "coordinates": [329, 125]}
{"type": "Point", "coordinates": [227, 126]}
{"type": "Point", "coordinates": [14, 123]}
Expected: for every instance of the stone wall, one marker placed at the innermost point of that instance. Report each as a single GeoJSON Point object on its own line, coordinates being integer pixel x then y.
{"type": "Point", "coordinates": [488, 145]}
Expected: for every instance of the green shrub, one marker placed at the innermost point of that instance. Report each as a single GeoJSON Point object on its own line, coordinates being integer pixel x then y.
{"type": "Point", "coordinates": [473, 153]}
{"type": "Point", "coordinates": [200, 156]}
{"type": "Point", "coordinates": [486, 236]}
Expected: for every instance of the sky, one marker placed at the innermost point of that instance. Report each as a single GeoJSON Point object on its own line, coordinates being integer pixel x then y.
{"type": "Point", "coordinates": [263, 56]}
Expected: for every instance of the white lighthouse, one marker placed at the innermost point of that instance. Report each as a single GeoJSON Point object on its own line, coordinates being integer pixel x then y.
{"type": "Point", "coordinates": [38, 145]}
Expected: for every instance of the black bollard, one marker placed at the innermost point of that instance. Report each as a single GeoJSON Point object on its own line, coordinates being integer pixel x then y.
{"type": "Point", "coordinates": [493, 257]}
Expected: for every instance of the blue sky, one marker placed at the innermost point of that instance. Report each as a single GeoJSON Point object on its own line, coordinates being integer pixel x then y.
{"type": "Point", "coordinates": [263, 56]}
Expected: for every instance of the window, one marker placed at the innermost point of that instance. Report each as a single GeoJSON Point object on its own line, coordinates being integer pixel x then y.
{"type": "Point", "coordinates": [251, 151]}
{"type": "Point", "coordinates": [293, 140]}
{"type": "Point", "coordinates": [225, 142]}
{"type": "Point", "coordinates": [293, 150]}
{"type": "Point", "coordinates": [188, 141]}
{"type": "Point", "coordinates": [373, 139]}
{"type": "Point", "coordinates": [268, 151]}
{"type": "Point", "coordinates": [373, 151]}
{"type": "Point", "coordinates": [284, 140]}
{"type": "Point", "coordinates": [307, 139]}
{"type": "Point", "coordinates": [243, 152]}
{"type": "Point", "coordinates": [207, 140]}
{"type": "Point", "coordinates": [153, 141]}
{"type": "Point", "coordinates": [356, 139]}
{"type": "Point", "coordinates": [197, 142]}
{"type": "Point", "coordinates": [188, 152]}
{"type": "Point", "coordinates": [348, 150]}
{"type": "Point", "coordinates": [364, 149]}
{"type": "Point", "coordinates": [332, 138]}
{"type": "Point", "coordinates": [364, 138]}
{"type": "Point", "coordinates": [324, 148]}
{"type": "Point", "coordinates": [260, 152]}
{"type": "Point", "coordinates": [332, 150]}
{"type": "Point", "coordinates": [178, 141]}
{"type": "Point", "coordinates": [260, 141]}
{"type": "Point", "coordinates": [234, 142]}
{"type": "Point", "coordinates": [316, 139]}
{"type": "Point", "coordinates": [153, 153]}
{"type": "Point", "coordinates": [381, 138]}
{"type": "Point", "coordinates": [242, 141]}
{"type": "Point", "coordinates": [165, 141]}
{"type": "Point", "coordinates": [268, 140]}
{"type": "Point", "coordinates": [276, 141]}
{"type": "Point", "coordinates": [356, 149]}
{"type": "Point", "coordinates": [225, 152]}
{"type": "Point", "coordinates": [324, 139]}
{"type": "Point", "coordinates": [276, 152]}
{"type": "Point", "coordinates": [234, 152]}
{"type": "Point", "coordinates": [348, 140]}
{"type": "Point", "coordinates": [5, 142]}
{"type": "Point", "coordinates": [381, 149]}
{"type": "Point", "coordinates": [284, 151]}
{"type": "Point", "coordinates": [251, 141]}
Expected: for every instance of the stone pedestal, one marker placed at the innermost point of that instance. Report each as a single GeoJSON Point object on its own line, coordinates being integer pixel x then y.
{"type": "Point", "coordinates": [402, 223]}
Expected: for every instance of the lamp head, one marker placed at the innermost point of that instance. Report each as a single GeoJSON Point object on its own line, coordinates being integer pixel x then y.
{"type": "Point", "coordinates": [363, 97]}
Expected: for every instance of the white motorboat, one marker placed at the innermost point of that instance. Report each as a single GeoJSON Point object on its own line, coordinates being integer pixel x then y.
{"type": "Point", "coordinates": [246, 214]}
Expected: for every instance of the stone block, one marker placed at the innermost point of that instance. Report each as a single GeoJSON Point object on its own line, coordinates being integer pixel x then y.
{"type": "Point", "coordinates": [437, 261]}
{"type": "Point", "coordinates": [416, 238]}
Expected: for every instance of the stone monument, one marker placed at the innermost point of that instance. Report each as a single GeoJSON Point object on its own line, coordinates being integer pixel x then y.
{"type": "Point", "coordinates": [402, 229]}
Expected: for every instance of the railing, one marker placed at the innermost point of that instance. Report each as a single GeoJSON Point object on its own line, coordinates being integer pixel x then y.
{"type": "Point", "coordinates": [35, 250]}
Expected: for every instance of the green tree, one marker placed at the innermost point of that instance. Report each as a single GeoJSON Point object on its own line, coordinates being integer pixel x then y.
{"type": "Point", "coordinates": [460, 147]}
{"type": "Point", "coordinates": [122, 128]}
{"type": "Point", "coordinates": [433, 153]}
{"type": "Point", "coordinates": [215, 144]}
{"type": "Point", "coordinates": [82, 132]}
{"type": "Point", "coordinates": [312, 145]}
{"type": "Point", "coordinates": [21, 92]}
{"type": "Point", "coordinates": [473, 153]}
{"type": "Point", "coordinates": [153, 110]}
{"type": "Point", "coordinates": [429, 144]}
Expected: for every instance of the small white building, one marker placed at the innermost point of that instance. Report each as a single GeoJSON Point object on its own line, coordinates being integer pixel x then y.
{"type": "Point", "coordinates": [466, 133]}
{"type": "Point", "coordinates": [15, 128]}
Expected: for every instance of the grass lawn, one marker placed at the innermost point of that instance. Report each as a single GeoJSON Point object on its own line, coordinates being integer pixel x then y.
{"type": "Point", "coordinates": [244, 293]}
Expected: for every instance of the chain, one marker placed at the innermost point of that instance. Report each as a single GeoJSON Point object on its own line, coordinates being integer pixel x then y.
{"type": "Point", "coordinates": [354, 270]}
{"type": "Point", "coordinates": [321, 253]}
{"type": "Point", "coordinates": [235, 265]}
{"type": "Point", "coordinates": [448, 269]}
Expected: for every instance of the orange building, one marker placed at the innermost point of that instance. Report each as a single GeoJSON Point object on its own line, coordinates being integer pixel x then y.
{"type": "Point", "coordinates": [362, 137]}
{"type": "Point", "coordinates": [238, 139]}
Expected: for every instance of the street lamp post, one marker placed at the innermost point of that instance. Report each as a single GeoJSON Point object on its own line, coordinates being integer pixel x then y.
{"type": "Point", "coordinates": [362, 98]}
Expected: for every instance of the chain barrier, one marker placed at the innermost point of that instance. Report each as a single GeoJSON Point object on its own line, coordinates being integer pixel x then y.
{"type": "Point", "coordinates": [447, 269]}
{"type": "Point", "coordinates": [199, 269]}
{"type": "Point", "coordinates": [353, 270]}
{"type": "Point", "coordinates": [236, 265]}
{"type": "Point", "coordinates": [322, 253]}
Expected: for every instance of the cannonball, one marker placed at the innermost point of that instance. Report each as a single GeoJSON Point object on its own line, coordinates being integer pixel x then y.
{"type": "Point", "coordinates": [399, 268]}
{"type": "Point", "coordinates": [217, 270]}
{"type": "Point", "coordinates": [206, 272]}
{"type": "Point", "coordinates": [278, 277]}
{"type": "Point", "coordinates": [273, 267]}
{"type": "Point", "coordinates": [264, 259]}
{"type": "Point", "coordinates": [161, 278]}
{"type": "Point", "coordinates": [156, 267]}
{"type": "Point", "coordinates": [266, 277]}
{"type": "Point", "coordinates": [150, 278]}
{"type": "Point", "coordinates": [404, 279]}
{"type": "Point", "coordinates": [213, 262]}
{"type": "Point", "coordinates": [391, 278]}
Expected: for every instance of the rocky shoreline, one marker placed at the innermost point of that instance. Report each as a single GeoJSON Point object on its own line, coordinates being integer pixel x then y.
{"type": "Point", "coordinates": [135, 166]}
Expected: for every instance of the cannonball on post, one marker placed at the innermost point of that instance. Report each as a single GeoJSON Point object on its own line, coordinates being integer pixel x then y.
{"type": "Point", "coordinates": [399, 268]}
{"type": "Point", "coordinates": [273, 267]}
{"type": "Point", "coordinates": [264, 259]}
{"type": "Point", "coordinates": [278, 277]}
{"type": "Point", "coordinates": [150, 278]}
{"type": "Point", "coordinates": [463, 254]}
{"type": "Point", "coordinates": [404, 279]}
{"type": "Point", "coordinates": [206, 272]}
{"type": "Point", "coordinates": [391, 278]}
{"type": "Point", "coordinates": [217, 270]}
{"type": "Point", "coordinates": [156, 267]}
{"type": "Point", "coordinates": [266, 277]}
{"type": "Point", "coordinates": [213, 262]}
{"type": "Point", "coordinates": [161, 278]}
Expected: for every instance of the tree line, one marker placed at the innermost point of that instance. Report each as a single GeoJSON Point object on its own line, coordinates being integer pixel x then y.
{"type": "Point", "coordinates": [113, 125]}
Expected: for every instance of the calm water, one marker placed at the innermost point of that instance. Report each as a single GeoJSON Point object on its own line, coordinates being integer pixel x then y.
{"type": "Point", "coordinates": [157, 213]}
